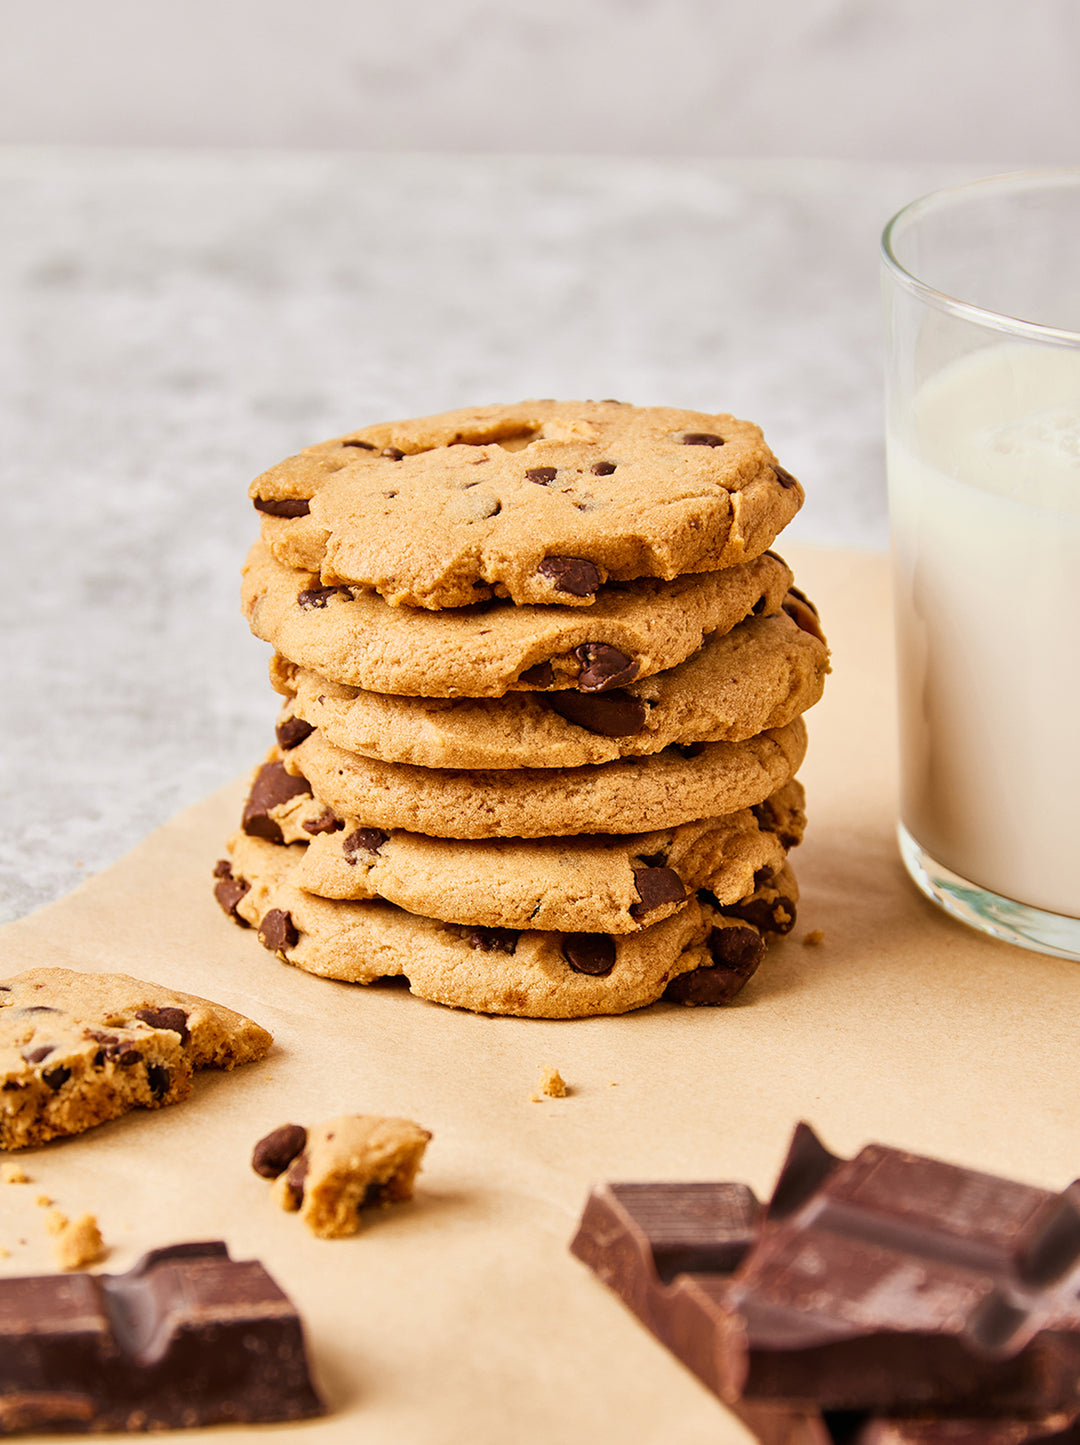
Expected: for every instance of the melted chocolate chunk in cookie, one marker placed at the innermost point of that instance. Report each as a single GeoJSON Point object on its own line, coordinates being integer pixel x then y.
{"type": "Point", "coordinates": [283, 506]}
{"type": "Point", "coordinates": [277, 931]}
{"type": "Point", "coordinates": [592, 953]}
{"type": "Point", "coordinates": [736, 953]}
{"type": "Point", "coordinates": [575, 575]}
{"type": "Point", "coordinates": [291, 732]}
{"type": "Point", "coordinates": [656, 886]}
{"type": "Point", "coordinates": [604, 667]}
{"type": "Point", "coordinates": [616, 714]}
{"type": "Point", "coordinates": [229, 890]}
{"type": "Point", "coordinates": [362, 840]}
{"type": "Point", "coordinates": [273, 786]}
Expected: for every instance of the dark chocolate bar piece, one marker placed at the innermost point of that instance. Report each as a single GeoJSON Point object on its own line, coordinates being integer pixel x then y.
{"type": "Point", "coordinates": [187, 1337]}
{"type": "Point", "coordinates": [892, 1280]}
{"type": "Point", "coordinates": [871, 1292]}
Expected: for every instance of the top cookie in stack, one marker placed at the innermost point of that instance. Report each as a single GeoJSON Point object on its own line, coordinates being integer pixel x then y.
{"type": "Point", "coordinates": [544, 683]}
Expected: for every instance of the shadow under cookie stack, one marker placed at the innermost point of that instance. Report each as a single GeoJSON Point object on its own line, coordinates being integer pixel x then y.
{"type": "Point", "coordinates": [543, 690]}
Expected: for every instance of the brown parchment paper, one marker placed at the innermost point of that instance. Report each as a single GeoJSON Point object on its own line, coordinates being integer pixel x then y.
{"type": "Point", "coordinates": [461, 1316]}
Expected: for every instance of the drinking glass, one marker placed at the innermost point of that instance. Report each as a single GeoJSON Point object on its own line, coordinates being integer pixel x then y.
{"type": "Point", "coordinates": [982, 311]}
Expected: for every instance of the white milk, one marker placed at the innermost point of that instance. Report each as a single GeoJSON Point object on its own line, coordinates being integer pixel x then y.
{"type": "Point", "coordinates": [986, 552]}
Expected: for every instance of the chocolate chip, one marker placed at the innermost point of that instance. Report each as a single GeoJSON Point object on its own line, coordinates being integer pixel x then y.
{"type": "Point", "coordinates": [604, 667]}
{"type": "Point", "coordinates": [277, 931]}
{"type": "Point", "coordinates": [326, 822]}
{"type": "Point", "coordinates": [283, 506]}
{"type": "Point", "coordinates": [35, 1056]}
{"type": "Point", "coordinates": [770, 820]}
{"type": "Point", "coordinates": [740, 949]}
{"type": "Point", "coordinates": [291, 732]}
{"type": "Point", "coordinates": [784, 477]}
{"type": "Point", "coordinates": [230, 890]}
{"type": "Point", "coordinates": [363, 840]}
{"type": "Point", "coordinates": [592, 953]}
{"type": "Point", "coordinates": [393, 453]}
{"type": "Point", "coordinates": [173, 1019]}
{"type": "Point", "coordinates": [541, 674]}
{"type": "Point", "coordinates": [762, 876]}
{"type": "Point", "coordinates": [274, 1153]}
{"type": "Point", "coordinates": [543, 475]}
{"type": "Point", "coordinates": [157, 1076]}
{"type": "Point", "coordinates": [602, 469]}
{"type": "Point", "coordinates": [366, 446]}
{"type": "Point", "coordinates": [802, 611]}
{"type": "Point", "coordinates": [702, 439]}
{"type": "Point", "coordinates": [771, 915]}
{"type": "Point", "coordinates": [493, 940]}
{"type": "Point", "coordinates": [737, 953]}
{"type": "Point", "coordinates": [295, 1179]}
{"type": "Point", "coordinates": [689, 750]}
{"type": "Point", "coordinates": [319, 596]}
{"type": "Point", "coordinates": [127, 1057]}
{"type": "Point", "coordinates": [56, 1078]}
{"type": "Point", "coordinates": [273, 786]}
{"type": "Point", "coordinates": [656, 886]}
{"type": "Point", "coordinates": [615, 714]}
{"type": "Point", "coordinates": [574, 575]}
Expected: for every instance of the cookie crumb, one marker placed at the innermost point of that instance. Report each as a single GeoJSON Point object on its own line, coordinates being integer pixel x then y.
{"type": "Point", "coordinates": [331, 1173]}
{"type": "Point", "coordinates": [76, 1243]}
{"type": "Point", "coordinates": [552, 1085]}
{"type": "Point", "coordinates": [43, 1201]}
{"type": "Point", "coordinates": [814, 938]}
{"type": "Point", "coordinates": [4, 1253]}
{"type": "Point", "coordinates": [14, 1174]}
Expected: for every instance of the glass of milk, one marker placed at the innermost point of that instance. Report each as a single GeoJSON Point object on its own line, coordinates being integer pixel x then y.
{"type": "Point", "coordinates": [982, 311]}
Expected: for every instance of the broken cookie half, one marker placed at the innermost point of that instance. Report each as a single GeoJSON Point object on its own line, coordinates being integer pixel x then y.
{"type": "Point", "coordinates": [330, 1172]}
{"type": "Point", "coordinates": [77, 1049]}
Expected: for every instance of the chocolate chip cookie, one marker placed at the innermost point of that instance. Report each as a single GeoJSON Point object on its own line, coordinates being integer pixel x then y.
{"type": "Point", "coordinates": [760, 675]}
{"type": "Point", "coordinates": [630, 795]}
{"type": "Point", "coordinates": [542, 502]}
{"type": "Point", "coordinates": [77, 1049]}
{"type": "Point", "coordinates": [701, 954]}
{"type": "Point", "coordinates": [609, 883]}
{"type": "Point", "coordinates": [633, 630]}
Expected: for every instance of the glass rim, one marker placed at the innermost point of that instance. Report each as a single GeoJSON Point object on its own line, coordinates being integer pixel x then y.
{"type": "Point", "coordinates": [1051, 177]}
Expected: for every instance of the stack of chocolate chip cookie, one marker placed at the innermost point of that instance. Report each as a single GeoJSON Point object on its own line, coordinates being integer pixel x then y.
{"type": "Point", "coordinates": [544, 685]}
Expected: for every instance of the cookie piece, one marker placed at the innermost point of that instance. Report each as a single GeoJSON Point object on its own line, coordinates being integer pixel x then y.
{"type": "Point", "coordinates": [531, 974]}
{"type": "Point", "coordinates": [345, 1165]}
{"type": "Point", "coordinates": [762, 674]}
{"type": "Point", "coordinates": [541, 502]}
{"type": "Point", "coordinates": [631, 795]}
{"type": "Point", "coordinates": [611, 883]}
{"type": "Point", "coordinates": [633, 630]}
{"type": "Point", "coordinates": [79, 1048]}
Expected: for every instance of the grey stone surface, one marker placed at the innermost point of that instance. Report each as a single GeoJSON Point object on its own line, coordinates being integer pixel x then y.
{"type": "Point", "coordinates": [172, 323]}
{"type": "Point", "coordinates": [848, 79]}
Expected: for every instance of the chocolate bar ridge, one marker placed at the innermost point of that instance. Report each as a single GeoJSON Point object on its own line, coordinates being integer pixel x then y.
{"type": "Point", "coordinates": [186, 1337]}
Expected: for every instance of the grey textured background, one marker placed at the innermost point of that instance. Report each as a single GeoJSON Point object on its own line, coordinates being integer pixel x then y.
{"type": "Point", "coordinates": [174, 320]}
{"type": "Point", "coordinates": [873, 80]}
